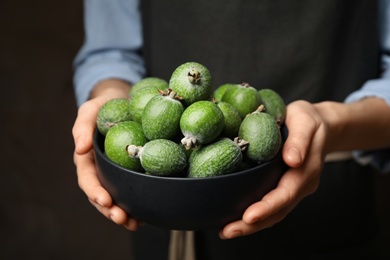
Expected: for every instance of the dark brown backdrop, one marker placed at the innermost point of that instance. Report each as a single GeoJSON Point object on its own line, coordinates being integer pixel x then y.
{"type": "Point", "coordinates": [43, 213]}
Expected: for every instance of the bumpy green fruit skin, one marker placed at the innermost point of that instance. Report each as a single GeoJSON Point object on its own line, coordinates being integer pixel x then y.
{"type": "Point", "coordinates": [139, 100]}
{"type": "Point", "coordinates": [203, 120]}
{"type": "Point", "coordinates": [274, 104]}
{"type": "Point", "coordinates": [243, 97]}
{"type": "Point", "coordinates": [117, 139]}
{"type": "Point", "coordinates": [159, 83]}
{"type": "Point", "coordinates": [192, 81]}
{"type": "Point", "coordinates": [161, 117]}
{"type": "Point", "coordinates": [163, 157]}
{"type": "Point", "coordinates": [263, 134]}
{"type": "Point", "coordinates": [220, 157]}
{"type": "Point", "coordinates": [112, 112]}
{"type": "Point", "coordinates": [232, 119]}
{"type": "Point", "coordinates": [219, 91]}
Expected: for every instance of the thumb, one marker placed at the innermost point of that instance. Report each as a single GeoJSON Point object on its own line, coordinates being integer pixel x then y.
{"type": "Point", "coordinates": [301, 129]}
{"type": "Point", "coordinates": [84, 127]}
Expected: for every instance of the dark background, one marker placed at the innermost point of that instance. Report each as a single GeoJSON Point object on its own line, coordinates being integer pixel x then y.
{"type": "Point", "coordinates": [43, 213]}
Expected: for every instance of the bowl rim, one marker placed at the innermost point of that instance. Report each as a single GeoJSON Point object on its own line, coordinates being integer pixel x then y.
{"type": "Point", "coordinates": [101, 154]}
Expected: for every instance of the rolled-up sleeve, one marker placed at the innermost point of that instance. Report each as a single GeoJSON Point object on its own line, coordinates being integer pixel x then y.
{"type": "Point", "coordinates": [111, 49]}
{"type": "Point", "coordinates": [376, 87]}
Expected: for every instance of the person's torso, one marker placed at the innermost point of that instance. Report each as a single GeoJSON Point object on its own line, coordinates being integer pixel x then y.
{"type": "Point", "coordinates": [312, 50]}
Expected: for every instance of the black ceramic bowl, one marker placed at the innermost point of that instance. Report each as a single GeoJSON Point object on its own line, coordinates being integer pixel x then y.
{"type": "Point", "coordinates": [180, 203]}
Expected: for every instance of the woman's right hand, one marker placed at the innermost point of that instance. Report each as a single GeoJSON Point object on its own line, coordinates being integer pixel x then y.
{"type": "Point", "coordinates": [84, 158]}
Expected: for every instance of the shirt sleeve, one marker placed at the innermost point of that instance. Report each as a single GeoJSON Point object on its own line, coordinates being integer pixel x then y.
{"type": "Point", "coordinates": [377, 88]}
{"type": "Point", "coordinates": [112, 44]}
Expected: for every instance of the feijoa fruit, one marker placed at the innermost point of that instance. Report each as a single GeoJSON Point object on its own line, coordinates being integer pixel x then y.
{"type": "Point", "coordinates": [149, 82]}
{"type": "Point", "coordinates": [243, 97]}
{"type": "Point", "coordinates": [217, 158]}
{"type": "Point", "coordinates": [161, 116]}
{"type": "Point", "coordinates": [262, 133]}
{"type": "Point", "coordinates": [274, 104]}
{"type": "Point", "coordinates": [160, 157]}
{"type": "Point", "coordinates": [232, 119]}
{"type": "Point", "coordinates": [139, 100]}
{"type": "Point", "coordinates": [201, 123]}
{"type": "Point", "coordinates": [192, 81]}
{"type": "Point", "coordinates": [118, 138]}
{"type": "Point", "coordinates": [219, 91]}
{"type": "Point", "coordinates": [112, 112]}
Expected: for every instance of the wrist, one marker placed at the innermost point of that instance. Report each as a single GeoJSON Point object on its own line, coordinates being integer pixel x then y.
{"type": "Point", "coordinates": [110, 89]}
{"type": "Point", "coordinates": [355, 126]}
{"type": "Point", "coordinates": [333, 115]}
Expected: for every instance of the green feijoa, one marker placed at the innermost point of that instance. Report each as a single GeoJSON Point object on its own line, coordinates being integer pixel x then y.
{"type": "Point", "coordinates": [274, 104]}
{"type": "Point", "coordinates": [192, 81]}
{"type": "Point", "coordinates": [263, 134]}
{"type": "Point", "coordinates": [219, 91]}
{"type": "Point", "coordinates": [232, 119]}
{"type": "Point", "coordinates": [160, 157]}
{"type": "Point", "coordinates": [217, 158]}
{"type": "Point", "coordinates": [149, 82]}
{"type": "Point", "coordinates": [139, 101]}
{"type": "Point", "coordinates": [243, 97]}
{"type": "Point", "coordinates": [117, 139]}
{"type": "Point", "coordinates": [201, 123]}
{"type": "Point", "coordinates": [161, 116]}
{"type": "Point", "coordinates": [112, 112]}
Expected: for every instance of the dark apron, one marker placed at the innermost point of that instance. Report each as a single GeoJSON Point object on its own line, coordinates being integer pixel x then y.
{"type": "Point", "coordinates": [311, 50]}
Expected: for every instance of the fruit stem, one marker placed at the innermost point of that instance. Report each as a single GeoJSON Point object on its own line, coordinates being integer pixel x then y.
{"type": "Point", "coordinates": [241, 143]}
{"type": "Point", "coordinates": [134, 151]}
{"type": "Point", "coordinates": [245, 84]}
{"type": "Point", "coordinates": [162, 92]}
{"type": "Point", "coordinates": [170, 93]}
{"type": "Point", "coordinates": [188, 142]}
{"type": "Point", "coordinates": [260, 109]}
{"type": "Point", "coordinates": [194, 76]}
{"type": "Point", "coordinates": [110, 124]}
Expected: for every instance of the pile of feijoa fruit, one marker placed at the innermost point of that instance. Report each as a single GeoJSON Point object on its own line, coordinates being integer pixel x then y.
{"type": "Point", "coordinates": [185, 127]}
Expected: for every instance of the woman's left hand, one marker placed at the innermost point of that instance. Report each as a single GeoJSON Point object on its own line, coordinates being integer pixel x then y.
{"type": "Point", "coordinates": [304, 153]}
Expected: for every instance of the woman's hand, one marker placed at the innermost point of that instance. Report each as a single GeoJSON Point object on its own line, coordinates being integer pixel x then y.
{"type": "Point", "coordinates": [303, 152]}
{"type": "Point", "coordinates": [314, 131]}
{"type": "Point", "coordinates": [84, 159]}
